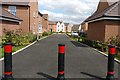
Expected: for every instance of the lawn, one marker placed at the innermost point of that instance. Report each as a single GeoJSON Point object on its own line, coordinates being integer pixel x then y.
{"type": "Point", "coordinates": [13, 50]}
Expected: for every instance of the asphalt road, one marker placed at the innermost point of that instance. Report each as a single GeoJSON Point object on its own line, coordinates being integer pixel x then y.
{"type": "Point", "coordinates": [40, 60]}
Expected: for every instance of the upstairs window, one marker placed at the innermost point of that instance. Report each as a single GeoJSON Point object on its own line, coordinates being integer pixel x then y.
{"type": "Point", "coordinates": [12, 9]}
{"type": "Point", "coordinates": [34, 14]}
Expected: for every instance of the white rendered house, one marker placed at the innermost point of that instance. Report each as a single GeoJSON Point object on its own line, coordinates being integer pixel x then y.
{"type": "Point", "coordinates": [60, 27]}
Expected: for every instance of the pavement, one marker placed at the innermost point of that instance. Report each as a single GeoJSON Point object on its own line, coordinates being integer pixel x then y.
{"type": "Point", "coordinates": [40, 61]}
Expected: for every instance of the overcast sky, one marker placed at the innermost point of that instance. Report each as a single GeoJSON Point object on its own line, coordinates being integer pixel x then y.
{"type": "Point", "coordinates": [71, 11]}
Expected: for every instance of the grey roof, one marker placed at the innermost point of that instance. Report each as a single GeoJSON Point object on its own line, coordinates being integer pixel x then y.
{"type": "Point", "coordinates": [110, 2]}
{"type": "Point", "coordinates": [16, 2]}
{"type": "Point", "coordinates": [111, 11]}
{"type": "Point", "coordinates": [7, 15]}
{"type": "Point", "coordinates": [66, 24]}
{"type": "Point", "coordinates": [75, 27]}
{"type": "Point", "coordinates": [52, 22]}
{"type": "Point", "coordinates": [40, 13]}
{"type": "Point", "coordinates": [45, 16]}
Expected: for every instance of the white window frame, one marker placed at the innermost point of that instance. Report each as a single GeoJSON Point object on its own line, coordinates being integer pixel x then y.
{"type": "Point", "coordinates": [12, 9]}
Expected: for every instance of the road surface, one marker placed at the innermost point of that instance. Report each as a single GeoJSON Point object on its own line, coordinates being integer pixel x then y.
{"type": "Point", "coordinates": [40, 60]}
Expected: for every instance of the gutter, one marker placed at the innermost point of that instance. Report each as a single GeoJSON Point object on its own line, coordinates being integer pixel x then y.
{"type": "Point", "coordinates": [104, 18]}
{"type": "Point", "coordinates": [8, 19]}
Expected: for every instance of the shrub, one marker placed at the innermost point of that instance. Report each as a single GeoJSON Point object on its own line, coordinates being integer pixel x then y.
{"type": "Point", "coordinates": [60, 32]}
{"type": "Point", "coordinates": [19, 39]}
{"type": "Point", "coordinates": [114, 40]}
{"type": "Point", "coordinates": [45, 34]}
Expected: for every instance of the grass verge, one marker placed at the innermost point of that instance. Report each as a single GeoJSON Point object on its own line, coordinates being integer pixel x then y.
{"type": "Point", "coordinates": [14, 49]}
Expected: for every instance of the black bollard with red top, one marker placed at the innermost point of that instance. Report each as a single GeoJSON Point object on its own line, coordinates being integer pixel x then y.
{"type": "Point", "coordinates": [111, 55]}
{"type": "Point", "coordinates": [8, 61]}
{"type": "Point", "coordinates": [61, 57]}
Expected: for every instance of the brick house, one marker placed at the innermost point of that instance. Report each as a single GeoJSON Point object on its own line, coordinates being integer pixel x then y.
{"type": "Point", "coordinates": [28, 12]}
{"type": "Point", "coordinates": [40, 18]}
{"type": "Point", "coordinates": [75, 28]}
{"type": "Point", "coordinates": [7, 20]}
{"type": "Point", "coordinates": [68, 27]}
{"type": "Point", "coordinates": [57, 26]}
{"type": "Point", "coordinates": [84, 27]}
{"type": "Point", "coordinates": [105, 22]}
{"type": "Point", "coordinates": [45, 23]}
{"type": "Point", "coordinates": [52, 26]}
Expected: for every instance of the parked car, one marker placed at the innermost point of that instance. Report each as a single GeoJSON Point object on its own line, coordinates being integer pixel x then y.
{"type": "Point", "coordinates": [74, 33]}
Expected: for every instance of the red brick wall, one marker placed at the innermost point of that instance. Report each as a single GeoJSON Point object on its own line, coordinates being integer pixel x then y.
{"type": "Point", "coordinates": [103, 30]}
{"type": "Point", "coordinates": [53, 27]}
{"type": "Point", "coordinates": [23, 14]}
{"type": "Point", "coordinates": [34, 16]}
{"type": "Point", "coordinates": [84, 26]}
{"type": "Point", "coordinates": [96, 31]}
{"type": "Point", "coordinates": [29, 15]}
{"type": "Point", "coordinates": [112, 29]}
{"type": "Point", "coordinates": [9, 26]}
{"type": "Point", "coordinates": [44, 25]}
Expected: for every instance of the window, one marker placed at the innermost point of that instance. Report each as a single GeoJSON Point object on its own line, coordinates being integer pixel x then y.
{"type": "Point", "coordinates": [12, 9]}
{"type": "Point", "coordinates": [40, 28]}
{"type": "Point", "coordinates": [34, 14]}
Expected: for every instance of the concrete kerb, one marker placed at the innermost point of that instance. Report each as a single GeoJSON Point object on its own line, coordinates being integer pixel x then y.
{"type": "Point", "coordinates": [106, 55]}
{"type": "Point", "coordinates": [118, 61]}
{"type": "Point", "coordinates": [26, 47]}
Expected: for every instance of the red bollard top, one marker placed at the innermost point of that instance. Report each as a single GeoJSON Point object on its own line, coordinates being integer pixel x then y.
{"type": "Point", "coordinates": [111, 49]}
{"type": "Point", "coordinates": [61, 48]}
{"type": "Point", "coordinates": [8, 47]}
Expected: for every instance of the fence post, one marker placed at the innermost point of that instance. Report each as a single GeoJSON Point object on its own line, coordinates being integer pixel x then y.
{"type": "Point", "coordinates": [61, 57]}
{"type": "Point", "coordinates": [111, 55]}
{"type": "Point", "coordinates": [8, 61]}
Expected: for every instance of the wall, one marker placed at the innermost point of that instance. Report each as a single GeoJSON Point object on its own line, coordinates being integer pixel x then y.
{"type": "Point", "coordinates": [22, 12]}
{"type": "Point", "coordinates": [39, 21]}
{"type": "Point", "coordinates": [63, 27]}
{"type": "Point", "coordinates": [45, 22]}
{"type": "Point", "coordinates": [84, 26]}
{"type": "Point", "coordinates": [112, 29]}
{"type": "Point", "coordinates": [103, 4]}
{"type": "Point", "coordinates": [53, 26]}
{"type": "Point", "coordinates": [44, 25]}
{"type": "Point", "coordinates": [58, 27]}
{"type": "Point", "coordinates": [9, 26]}
{"type": "Point", "coordinates": [34, 16]}
{"type": "Point", "coordinates": [96, 31]}
{"type": "Point", "coordinates": [69, 29]}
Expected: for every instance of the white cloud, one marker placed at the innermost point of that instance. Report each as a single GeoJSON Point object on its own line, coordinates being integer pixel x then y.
{"type": "Point", "coordinates": [74, 11]}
